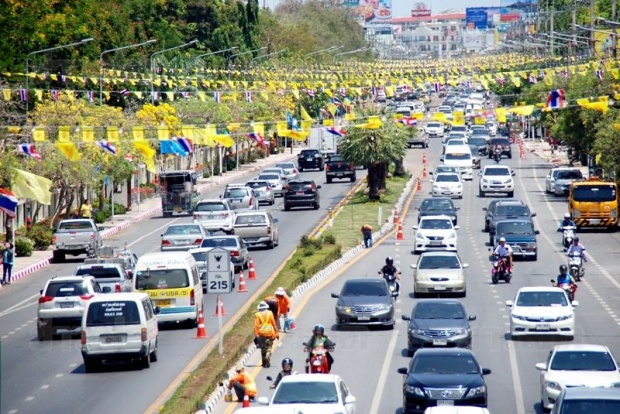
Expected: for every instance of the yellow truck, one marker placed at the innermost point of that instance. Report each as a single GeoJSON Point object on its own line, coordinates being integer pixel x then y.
{"type": "Point", "coordinates": [594, 203]}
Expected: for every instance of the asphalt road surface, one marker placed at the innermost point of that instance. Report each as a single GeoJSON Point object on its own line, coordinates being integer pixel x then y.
{"type": "Point", "coordinates": [368, 359]}
{"type": "Point", "coordinates": [49, 376]}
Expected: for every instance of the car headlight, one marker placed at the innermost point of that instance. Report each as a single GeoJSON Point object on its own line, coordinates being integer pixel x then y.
{"type": "Point", "coordinates": [508, 181]}
{"type": "Point", "coordinates": [565, 317]}
{"type": "Point", "coordinates": [414, 390]}
{"type": "Point", "coordinates": [614, 213]}
{"type": "Point", "coordinates": [419, 236]}
{"type": "Point", "coordinates": [553, 385]}
{"type": "Point", "coordinates": [519, 317]}
{"type": "Point", "coordinates": [476, 391]}
{"type": "Point", "coordinates": [344, 309]}
{"type": "Point", "coordinates": [615, 385]}
{"type": "Point", "coordinates": [531, 246]}
{"type": "Point", "coordinates": [451, 236]}
{"type": "Point", "coordinates": [416, 331]}
{"type": "Point", "coordinates": [484, 180]}
{"type": "Point", "coordinates": [461, 331]}
{"type": "Point", "coordinates": [383, 307]}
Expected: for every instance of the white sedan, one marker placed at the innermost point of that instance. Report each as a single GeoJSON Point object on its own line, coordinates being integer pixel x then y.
{"type": "Point", "coordinates": [435, 233]}
{"type": "Point", "coordinates": [447, 184]}
{"type": "Point", "coordinates": [542, 310]}
{"type": "Point", "coordinates": [312, 394]}
{"type": "Point", "coordinates": [576, 365]}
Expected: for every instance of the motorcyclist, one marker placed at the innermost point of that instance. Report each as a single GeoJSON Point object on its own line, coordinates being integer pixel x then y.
{"type": "Point", "coordinates": [567, 222]}
{"type": "Point", "coordinates": [503, 250]}
{"type": "Point", "coordinates": [497, 151]}
{"type": "Point", "coordinates": [576, 247]}
{"type": "Point", "coordinates": [390, 269]}
{"type": "Point", "coordinates": [320, 340]}
{"type": "Point", "coordinates": [287, 369]}
{"type": "Point", "coordinates": [564, 278]}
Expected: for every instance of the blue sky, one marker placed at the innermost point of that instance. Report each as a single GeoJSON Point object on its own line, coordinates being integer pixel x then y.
{"type": "Point", "coordinates": [402, 8]}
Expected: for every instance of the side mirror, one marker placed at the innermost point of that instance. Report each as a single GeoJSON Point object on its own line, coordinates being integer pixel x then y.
{"type": "Point", "coordinates": [471, 318]}
{"type": "Point", "coordinates": [533, 214]}
{"type": "Point", "coordinates": [541, 366]}
{"type": "Point", "coordinates": [406, 317]}
{"type": "Point", "coordinates": [536, 231]}
{"type": "Point", "coordinates": [335, 295]}
{"type": "Point", "coordinates": [349, 399]}
{"type": "Point", "coordinates": [318, 187]}
{"type": "Point", "coordinates": [483, 208]}
{"type": "Point", "coordinates": [486, 371]}
{"type": "Point", "coordinates": [513, 173]}
{"type": "Point", "coordinates": [220, 196]}
{"type": "Point", "coordinates": [157, 310]}
{"type": "Point", "coordinates": [402, 371]}
{"type": "Point", "coordinates": [263, 400]}
{"type": "Point", "coordinates": [441, 159]}
{"type": "Point", "coordinates": [575, 303]}
{"type": "Point", "coordinates": [106, 289]}
{"type": "Point", "coordinates": [465, 265]}
{"type": "Point", "coordinates": [480, 175]}
{"type": "Point", "coordinates": [41, 292]}
{"type": "Point", "coordinates": [161, 235]}
{"type": "Point", "coordinates": [269, 378]}
{"type": "Point", "coordinates": [457, 227]}
{"type": "Point", "coordinates": [414, 227]}
{"type": "Point", "coordinates": [275, 220]}
{"type": "Point", "coordinates": [509, 303]}
{"type": "Point", "coordinates": [457, 208]}
{"type": "Point", "coordinates": [413, 266]}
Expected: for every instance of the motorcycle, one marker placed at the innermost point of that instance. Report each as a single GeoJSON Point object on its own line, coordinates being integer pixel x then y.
{"type": "Point", "coordinates": [497, 155]}
{"type": "Point", "coordinates": [568, 234]}
{"type": "Point", "coordinates": [500, 270]}
{"type": "Point", "coordinates": [569, 288]}
{"type": "Point", "coordinates": [392, 282]}
{"type": "Point", "coordinates": [575, 266]}
{"type": "Point", "coordinates": [318, 362]}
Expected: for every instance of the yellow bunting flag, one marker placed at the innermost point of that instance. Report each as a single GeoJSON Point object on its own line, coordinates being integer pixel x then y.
{"type": "Point", "coordinates": [144, 148]}
{"type": "Point", "coordinates": [38, 135]}
{"type": "Point", "coordinates": [6, 93]}
{"type": "Point", "coordinates": [163, 132]}
{"type": "Point", "coordinates": [112, 133]}
{"type": "Point", "coordinates": [328, 122]}
{"type": "Point", "coordinates": [304, 115]}
{"type": "Point", "coordinates": [64, 134]}
{"type": "Point", "coordinates": [138, 133]}
{"type": "Point", "coordinates": [69, 150]}
{"type": "Point", "coordinates": [88, 134]}
{"type": "Point", "coordinates": [34, 187]}
{"type": "Point", "coordinates": [259, 128]}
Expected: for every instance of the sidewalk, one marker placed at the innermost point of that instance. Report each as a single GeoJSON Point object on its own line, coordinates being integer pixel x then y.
{"type": "Point", "coordinates": [542, 149]}
{"type": "Point", "coordinates": [25, 265]}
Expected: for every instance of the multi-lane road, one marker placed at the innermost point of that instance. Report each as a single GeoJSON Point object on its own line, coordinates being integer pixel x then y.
{"type": "Point", "coordinates": [49, 376]}
{"type": "Point", "coordinates": [368, 359]}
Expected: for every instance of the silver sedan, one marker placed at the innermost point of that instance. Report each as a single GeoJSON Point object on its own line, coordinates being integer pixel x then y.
{"type": "Point", "coordinates": [290, 170]}
{"type": "Point", "coordinates": [277, 181]}
{"type": "Point", "coordinates": [265, 193]}
{"type": "Point", "coordinates": [179, 237]}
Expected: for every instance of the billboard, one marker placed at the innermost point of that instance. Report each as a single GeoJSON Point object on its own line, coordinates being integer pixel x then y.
{"type": "Point", "coordinates": [517, 9]}
{"type": "Point", "coordinates": [372, 11]}
{"type": "Point", "coordinates": [473, 40]}
{"type": "Point", "coordinates": [476, 18]}
{"type": "Point", "coordinates": [420, 10]}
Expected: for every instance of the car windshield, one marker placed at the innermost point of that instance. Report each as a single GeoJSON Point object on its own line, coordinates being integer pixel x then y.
{"type": "Point", "coordinates": [204, 207]}
{"type": "Point", "coordinates": [364, 289]}
{"type": "Point", "coordinates": [512, 211]}
{"type": "Point", "coordinates": [542, 299]}
{"type": "Point", "coordinates": [457, 157]}
{"type": "Point", "coordinates": [569, 175]}
{"type": "Point", "coordinates": [602, 192]}
{"type": "Point", "coordinates": [306, 392]}
{"type": "Point", "coordinates": [449, 178]}
{"type": "Point", "coordinates": [180, 230]}
{"type": "Point", "coordinates": [582, 361]}
{"type": "Point", "coordinates": [235, 193]}
{"type": "Point", "coordinates": [257, 184]}
{"type": "Point", "coordinates": [117, 312]}
{"type": "Point", "coordinates": [479, 142]}
{"type": "Point", "coordinates": [219, 242]}
{"type": "Point", "coordinates": [439, 262]}
{"type": "Point", "coordinates": [444, 364]}
{"type": "Point", "coordinates": [438, 311]}
{"type": "Point", "coordinates": [436, 205]}
{"type": "Point", "coordinates": [309, 153]}
{"type": "Point", "coordinates": [286, 165]}
{"type": "Point", "coordinates": [65, 288]}
{"type": "Point", "coordinates": [445, 168]}
{"type": "Point", "coordinates": [99, 272]}
{"type": "Point", "coordinates": [200, 256]}
{"type": "Point", "coordinates": [436, 224]}
{"type": "Point", "coordinates": [497, 171]}
{"type": "Point", "coordinates": [251, 219]}
{"type": "Point", "coordinates": [519, 227]}
{"type": "Point", "coordinates": [501, 141]}
{"type": "Point", "coordinates": [479, 132]}
{"type": "Point", "coordinates": [161, 279]}
{"type": "Point", "coordinates": [594, 405]}
{"type": "Point", "coordinates": [455, 142]}
{"type": "Point", "coordinates": [459, 128]}
{"type": "Point", "coordinates": [269, 177]}
{"type": "Point", "coordinates": [433, 125]}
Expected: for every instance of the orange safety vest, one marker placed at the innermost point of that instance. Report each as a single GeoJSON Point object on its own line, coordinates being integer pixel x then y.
{"type": "Point", "coordinates": [264, 325]}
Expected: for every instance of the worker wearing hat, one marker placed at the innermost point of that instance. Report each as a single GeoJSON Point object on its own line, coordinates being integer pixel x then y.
{"type": "Point", "coordinates": [284, 307]}
{"type": "Point", "coordinates": [265, 332]}
{"type": "Point", "coordinates": [243, 384]}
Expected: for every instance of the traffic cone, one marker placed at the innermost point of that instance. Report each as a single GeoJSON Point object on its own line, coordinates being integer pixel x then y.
{"type": "Point", "coordinates": [419, 186]}
{"type": "Point", "coordinates": [246, 401]}
{"type": "Point", "coordinates": [219, 308]}
{"type": "Point", "coordinates": [399, 235]}
{"type": "Point", "coordinates": [424, 173]}
{"type": "Point", "coordinates": [424, 158]}
{"type": "Point", "coordinates": [201, 332]}
{"type": "Point", "coordinates": [396, 219]}
{"type": "Point", "coordinates": [252, 272]}
{"type": "Point", "coordinates": [242, 287]}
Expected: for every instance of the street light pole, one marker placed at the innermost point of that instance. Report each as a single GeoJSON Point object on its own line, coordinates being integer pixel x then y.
{"type": "Point", "coordinates": [269, 54]}
{"type": "Point", "coordinates": [164, 51]}
{"type": "Point", "coordinates": [148, 42]}
{"type": "Point", "coordinates": [36, 52]}
{"type": "Point", "coordinates": [329, 49]}
{"type": "Point", "coordinates": [218, 52]}
{"type": "Point", "coordinates": [244, 53]}
{"type": "Point", "coordinates": [363, 49]}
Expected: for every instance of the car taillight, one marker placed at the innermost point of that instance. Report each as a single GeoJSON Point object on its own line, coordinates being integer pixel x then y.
{"type": "Point", "coordinates": [165, 243]}
{"type": "Point", "coordinates": [83, 337]}
{"type": "Point", "coordinates": [44, 299]}
{"type": "Point", "coordinates": [327, 167]}
{"type": "Point", "coordinates": [198, 241]}
{"type": "Point", "coordinates": [117, 288]}
{"type": "Point", "coordinates": [92, 236]}
{"type": "Point", "coordinates": [86, 297]}
{"type": "Point", "coordinates": [234, 253]}
{"type": "Point", "coordinates": [53, 239]}
{"type": "Point", "coordinates": [294, 170]}
{"type": "Point", "coordinates": [192, 298]}
{"type": "Point", "coordinates": [143, 335]}
{"type": "Point", "coordinates": [223, 215]}
{"type": "Point", "coordinates": [288, 187]}
{"type": "Point", "coordinates": [250, 202]}
{"type": "Point", "coordinates": [351, 167]}
{"type": "Point", "coordinates": [268, 229]}
{"type": "Point", "coordinates": [312, 187]}
{"type": "Point", "coordinates": [196, 216]}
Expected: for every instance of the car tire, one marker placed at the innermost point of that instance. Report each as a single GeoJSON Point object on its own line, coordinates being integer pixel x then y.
{"type": "Point", "coordinates": [287, 208]}
{"type": "Point", "coordinates": [464, 294]}
{"type": "Point", "coordinates": [353, 179]}
{"type": "Point", "coordinates": [480, 193]}
{"type": "Point", "coordinates": [410, 353]}
{"type": "Point", "coordinates": [246, 265]}
{"type": "Point", "coordinates": [58, 257]}
{"type": "Point", "coordinates": [92, 365]}
{"type": "Point", "coordinates": [317, 206]}
{"type": "Point", "coordinates": [510, 156]}
{"type": "Point", "coordinates": [154, 357]}
{"type": "Point", "coordinates": [535, 257]}
{"type": "Point", "coordinates": [321, 167]}
{"type": "Point", "coordinates": [301, 169]}
{"type": "Point", "coordinates": [511, 194]}
{"type": "Point", "coordinates": [329, 180]}
{"type": "Point", "coordinates": [270, 245]}
{"type": "Point", "coordinates": [145, 361]}
{"type": "Point", "coordinates": [43, 334]}
{"type": "Point", "coordinates": [486, 226]}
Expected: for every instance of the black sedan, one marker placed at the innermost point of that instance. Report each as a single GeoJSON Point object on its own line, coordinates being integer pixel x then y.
{"type": "Point", "coordinates": [449, 376]}
{"type": "Point", "coordinates": [438, 206]}
{"type": "Point", "coordinates": [438, 323]}
{"type": "Point", "coordinates": [365, 302]}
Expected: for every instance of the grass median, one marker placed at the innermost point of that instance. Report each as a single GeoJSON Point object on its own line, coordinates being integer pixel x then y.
{"type": "Point", "coordinates": [311, 256]}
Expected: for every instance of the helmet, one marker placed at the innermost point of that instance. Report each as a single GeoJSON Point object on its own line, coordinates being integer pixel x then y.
{"type": "Point", "coordinates": [280, 291]}
{"type": "Point", "coordinates": [318, 327]}
{"type": "Point", "coordinates": [239, 368]}
{"type": "Point", "coordinates": [576, 239]}
{"type": "Point", "coordinates": [389, 261]}
{"type": "Point", "coordinates": [287, 361]}
{"type": "Point", "coordinates": [502, 239]}
{"type": "Point", "coordinates": [262, 306]}
{"type": "Point", "coordinates": [563, 268]}
{"type": "Point", "coordinates": [567, 216]}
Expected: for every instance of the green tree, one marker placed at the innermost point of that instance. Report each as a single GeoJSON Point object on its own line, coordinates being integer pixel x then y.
{"type": "Point", "coordinates": [606, 147]}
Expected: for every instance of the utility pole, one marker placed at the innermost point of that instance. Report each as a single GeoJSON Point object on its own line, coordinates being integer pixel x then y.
{"type": "Point", "coordinates": [592, 20]}
{"type": "Point", "coordinates": [552, 28]}
{"type": "Point", "coordinates": [614, 38]}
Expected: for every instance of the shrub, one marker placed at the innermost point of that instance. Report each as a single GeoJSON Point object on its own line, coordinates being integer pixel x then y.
{"type": "Point", "coordinates": [309, 251]}
{"type": "Point", "coordinates": [41, 235]}
{"type": "Point", "coordinates": [329, 238]}
{"type": "Point", "coordinates": [119, 208]}
{"type": "Point", "coordinates": [101, 216]}
{"type": "Point", "coordinates": [305, 241]}
{"type": "Point", "coordinates": [23, 247]}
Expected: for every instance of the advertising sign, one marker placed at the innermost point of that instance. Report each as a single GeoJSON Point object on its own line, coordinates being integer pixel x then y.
{"type": "Point", "coordinates": [420, 10]}
{"type": "Point", "coordinates": [473, 39]}
{"type": "Point", "coordinates": [372, 11]}
{"type": "Point", "coordinates": [476, 18]}
{"type": "Point", "coordinates": [510, 8]}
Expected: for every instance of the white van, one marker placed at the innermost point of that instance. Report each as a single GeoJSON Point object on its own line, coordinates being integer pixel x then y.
{"type": "Point", "coordinates": [119, 326]}
{"type": "Point", "coordinates": [460, 156]}
{"type": "Point", "coordinates": [173, 282]}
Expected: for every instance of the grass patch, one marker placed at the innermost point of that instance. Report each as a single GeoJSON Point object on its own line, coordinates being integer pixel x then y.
{"type": "Point", "coordinates": [361, 210]}
{"type": "Point", "coordinates": [311, 257]}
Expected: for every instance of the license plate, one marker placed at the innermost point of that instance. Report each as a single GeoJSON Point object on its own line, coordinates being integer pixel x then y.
{"type": "Point", "coordinates": [440, 287]}
{"type": "Point", "coordinates": [182, 242]}
{"type": "Point", "coordinates": [165, 302]}
{"type": "Point", "coordinates": [363, 318]}
{"type": "Point", "coordinates": [440, 342]}
{"type": "Point", "coordinates": [65, 305]}
{"type": "Point", "coordinates": [338, 174]}
{"type": "Point", "coordinates": [236, 201]}
{"type": "Point", "coordinates": [300, 193]}
{"type": "Point", "coordinates": [445, 403]}
{"type": "Point", "coordinates": [113, 339]}
{"type": "Point", "coordinates": [435, 243]}
{"type": "Point", "coordinates": [542, 327]}
{"type": "Point", "coordinates": [594, 221]}
{"type": "Point", "coordinates": [178, 209]}
{"type": "Point", "coordinates": [308, 159]}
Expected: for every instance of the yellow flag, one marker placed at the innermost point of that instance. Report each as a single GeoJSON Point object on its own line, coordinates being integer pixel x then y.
{"type": "Point", "coordinates": [88, 134]}
{"type": "Point", "coordinates": [232, 127]}
{"type": "Point", "coordinates": [38, 135]}
{"type": "Point", "coordinates": [7, 94]}
{"type": "Point", "coordinates": [259, 128]}
{"type": "Point", "coordinates": [163, 132]}
{"type": "Point", "coordinates": [480, 120]}
{"type": "Point", "coordinates": [328, 122]}
{"type": "Point", "coordinates": [304, 115]}
{"type": "Point", "coordinates": [69, 150]}
{"type": "Point", "coordinates": [35, 187]}
{"type": "Point", "coordinates": [144, 148]}
{"type": "Point", "coordinates": [349, 117]}
{"type": "Point", "coordinates": [501, 115]}
{"type": "Point", "coordinates": [64, 134]}
{"type": "Point", "coordinates": [281, 128]}
{"type": "Point", "coordinates": [306, 125]}
{"type": "Point", "coordinates": [458, 118]}
{"type": "Point", "coordinates": [224, 139]}
{"type": "Point", "coordinates": [188, 131]}
{"type": "Point", "coordinates": [332, 108]}
{"type": "Point", "coordinates": [138, 133]}
{"type": "Point", "coordinates": [298, 135]}
{"type": "Point", "coordinates": [113, 134]}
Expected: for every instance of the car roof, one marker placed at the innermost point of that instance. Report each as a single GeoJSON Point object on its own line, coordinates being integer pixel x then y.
{"type": "Point", "coordinates": [438, 216]}
{"type": "Point", "coordinates": [110, 297]}
{"type": "Point", "coordinates": [540, 289]}
{"type": "Point", "coordinates": [252, 213]}
{"type": "Point", "coordinates": [505, 167]}
{"type": "Point", "coordinates": [456, 410]}
{"type": "Point", "coordinates": [222, 236]}
{"type": "Point", "coordinates": [439, 198]}
{"type": "Point", "coordinates": [581, 347]}
{"type": "Point", "coordinates": [183, 224]}
{"type": "Point", "coordinates": [72, 278]}
{"type": "Point", "coordinates": [212, 200]}
{"type": "Point", "coordinates": [578, 393]}
{"type": "Point", "coordinates": [439, 253]}
{"type": "Point", "coordinates": [310, 378]}
{"type": "Point", "coordinates": [441, 301]}
{"type": "Point", "coordinates": [511, 202]}
{"type": "Point", "coordinates": [235, 185]}
{"type": "Point", "coordinates": [515, 221]}
{"type": "Point", "coordinates": [442, 351]}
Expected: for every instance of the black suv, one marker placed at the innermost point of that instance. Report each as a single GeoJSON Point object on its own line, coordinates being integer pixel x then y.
{"type": "Point", "coordinates": [508, 210]}
{"type": "Point", "coordinates": [504, 142]}
{"type": "Point", "coordinates": [302, 193]}
{"type": "Point", "coordinates": [490, 210]}
{"type": "Point", "coordinates": [309, 159]}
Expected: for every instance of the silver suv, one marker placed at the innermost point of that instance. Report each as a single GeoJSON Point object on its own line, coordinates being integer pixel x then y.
{"type": "Point", "coordinates": [214, 215]}
{"type": "Point", "coordinates": [62, 303]}
{"type": "Point", "coordinates": [240, 197]}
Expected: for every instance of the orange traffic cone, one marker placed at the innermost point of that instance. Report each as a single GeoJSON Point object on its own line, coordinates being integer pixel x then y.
{"type": "Point", "coordinates": [399, 235]}
{"type": "Point", "coordinates": [246, 401]}
{"type": "Point", "coordinates": [396, 219]}
{"type": "Point", "coordinates": [219, 308]}
{"type": "Point", "coordinates": [242, 287]}
{"type": "Point", "coordinates": [424, 173]}
{"type": "Point", "coordinates": [419, 186]}
{"type": "Point", "coordinates": [201, 333]}
{"type": "Point", "coordinates": [252, 271]}
{"type": "Point", "coordinates": [424, 158]}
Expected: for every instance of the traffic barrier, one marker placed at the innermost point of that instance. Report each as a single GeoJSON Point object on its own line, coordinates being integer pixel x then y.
{"type": "Point", "coordinates": [201, 332]}
{"type": "Point", "coordinates": [246, 401]}
{"type": "Point", "coordinates": [396, 219]}
{"type": "Point", "coordinates": [418, 186]}
{"type": "Point", "coordinates": [424, 173]}
{"type": "Point", "coordinates": [219, 307]}
{"type": "Point", "coordinates": [399, 235]}
{"type": "Point", "coordinates": [252, 271]}
{"type": "Point", "coordinates": [242, 286]}
{"type": "Point", "coordinates": [424, 158]}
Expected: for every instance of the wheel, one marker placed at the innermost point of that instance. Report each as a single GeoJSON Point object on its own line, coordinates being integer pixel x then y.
{"type": "Point", "coordinates": [511, 194]}
{"type": "Point", "coordinates": [491, 239]}
{"type": "Point", "coordinates": [269, 245]}
{"type": "Point", "coordinates": [301, 169]}
{"type": "Point", "coordinates": [494, 279]}
{"type": "Point", "coordinates": [145, 361]}
{"type": "Point", "coordinates": [464, 294]}
{"type": "Point", "coordinates": [409, 353]}
{"type": "Point", "coordinates": [329, 180]}
{"type": "Point", "coordinates": [535, 257]}
{"type": "Point", "coordinates": [246, 265]}
{"type": "Point", "coordinates": [91, 365]}
{"type": "Point", "coordinates": [486, 226]}
{"type": "Point", "coordinates": [286, 207]}
{"type": "Point", "coordinates": [317, 206]}
{"type": "Point", "coordinates": [353, 179]}
{"type": "Point", "coordinates": [322, 167]}
{"type": "Point", "coordinates": [44, 334]}
{"type": "Point", "coordinates": [510, 155]}
{"type": "Point", "coordinates": [153, 357]}
{"type": "Point", "coordinates": [480, 193]}
{"type": "Point", "coordinates": [58, 256]}
{"type": "Point", "coordinates": [271, 202]}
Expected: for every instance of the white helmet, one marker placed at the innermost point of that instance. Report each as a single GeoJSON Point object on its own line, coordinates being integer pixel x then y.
{"type": "Point", "coordinates": [502, 239]}
{"type": "Point", "coordinates": [262, 306]}
{"type": "Point", "coordinates": [566, 215]}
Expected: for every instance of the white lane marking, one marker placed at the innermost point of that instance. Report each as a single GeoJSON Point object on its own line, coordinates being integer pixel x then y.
{"type": "Point", "coordinates": [59, 375]}
{"type": "Point", "coordinates": [20, 305]}
{"type": "Point", "coordinates": [516, 379]}
{"type": "Point", "coordinates": [30, 398]}
{"type": "Point", "coordinates": [376, 399]}
{"type": "Point", "coordinates": [12, 412]}
{"type": "Point", "coordinates": [44, 387]}
{"type": "Point", "coordinates": [139, 239]}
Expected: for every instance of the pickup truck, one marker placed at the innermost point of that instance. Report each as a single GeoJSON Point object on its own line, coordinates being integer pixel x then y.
{"type": "Point", "coordinates": [75, 237]}
{"type": "Point", "coordinates": [336, 167]}
{"type": "Point", "coordinates": [256, 228]}
{"type": "Point", "coordinates": [109, 273]}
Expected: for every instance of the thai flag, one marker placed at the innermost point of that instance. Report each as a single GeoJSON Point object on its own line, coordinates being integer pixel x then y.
{"type": "Point", "coordinates": [599, 75]}
{"type": "Point", "coordinates": [533, 79]}
{"type": "Point", "coordinates": [312, 93]}
{"type": "Point", "coordinates": [63, 78]}
{"type": "Point", "coordinates": [128, 157]}
{"type": "Point", "coordinates": [186, 144]}
{"type": "Point", "coordinates": [125, 92]}
{"type": "Point", "coordinates": [337, 101]}
{"type": "Point", "coordinates": [256, 137]}
{"type": "Point", "coordinates": [8, 202]}
{"type": "Point", "coordinates": [542, 74]}
{"type": "Point", "coordinates": [342, 91]}
{"type": "Point", "coordinates": [29, 150]}
{"type": "Point", "coordinates": [55, 93]}
{"type": "Point", "coordinates": [217, 97]}
{"type": "Point", "coordinates": [90, 95]}
{"type": "Point", "coordinates": [23, 94]}
{"type": "Point", "coordinates": [373, 91]}
{"type": "Point", "coordinates": [501, 81]}
{"type": "Point", "coordinates": [248, 96]}
{"type": "Point", "coordinates": [155, 96]}
{"type": "Point", "coordinates": [408, 121]}
{"type": "Point", "coordinates": [336, 131]}
{"type": "Point", "coordinates": [565, 73]}
{"type": "Point", "coordinates": [436, 86]}
{"type": "Point", "coordinates": [186, 95]}
{"type": "Point", "coordinates": [107, 146]}
{"type": "Point", "coordinates": [555, 100]}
